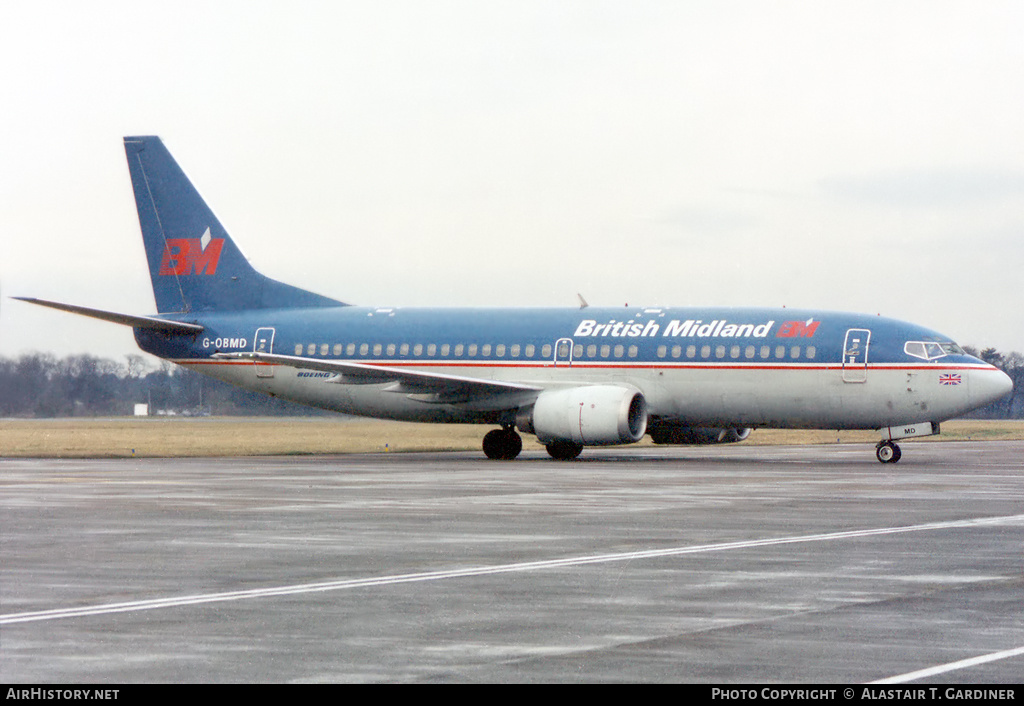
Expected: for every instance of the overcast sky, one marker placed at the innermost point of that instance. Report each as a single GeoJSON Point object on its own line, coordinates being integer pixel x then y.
{"type": "Point", "coordinates": [863, 156]}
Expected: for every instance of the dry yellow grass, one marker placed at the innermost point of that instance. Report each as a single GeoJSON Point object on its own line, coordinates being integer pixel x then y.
{"type": "Point", "coordinates": [154, 437]}
{"type": "Point", "coordinates": [225, 437]}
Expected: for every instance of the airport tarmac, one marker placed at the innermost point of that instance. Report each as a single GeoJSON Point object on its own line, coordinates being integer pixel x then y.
{"type": "Point", "coordinates": [670, 564]}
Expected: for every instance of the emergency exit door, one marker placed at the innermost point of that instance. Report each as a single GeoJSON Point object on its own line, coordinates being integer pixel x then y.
{"type": "Point", "coordinates": [563, 351]}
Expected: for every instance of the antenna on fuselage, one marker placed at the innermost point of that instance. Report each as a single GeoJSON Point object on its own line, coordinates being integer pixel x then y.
{"type": "Point", "coordinates": [583, 302]}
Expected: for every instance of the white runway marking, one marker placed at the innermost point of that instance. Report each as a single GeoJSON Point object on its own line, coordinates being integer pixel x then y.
{"type": "Point", "coordinates": [345, 584]}
{"type": "Point", "coordinates": [951, 667]}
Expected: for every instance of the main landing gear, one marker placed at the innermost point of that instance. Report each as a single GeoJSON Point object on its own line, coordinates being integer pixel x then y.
{"type": "Point", "coordinates": [502, 444]}
{"type": "Point", "coordinates": [888, 452]}
{"type": "Point", "coordinates": [505, 444]}
{"type": "Point", "coordinates": [564, 450]}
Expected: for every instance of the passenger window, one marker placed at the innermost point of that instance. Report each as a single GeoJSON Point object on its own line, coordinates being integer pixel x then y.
{"type": "Point", "coordinates": [765, 352]}
{"type": "Point", "coordinates": [705, 351]}
{"type": "Point", "coordinates": [350, 349]}
{"type": "Point", "coordinates": [324, 347]}
{"type": "Point", "coordinates": [459, 348]}
{"type": "Point", "coordinates": [485, 350]}
{"type": "Point", "coordinates": [734, 352]}
{"type": "Point", "coordinates": [719, 351]}
{"type": "Point", "coordinates": [391, 349]}
{"type": "Point", "coordinates": [780, 351]}
{"type": "Point", "coordinates": [619, 350]}
{"type": "Point", "coordinates": [530, 349]}
{"type": "Point", "coordinates": [445, 348]}
{"type": "Point", "coordinates": [750, 352]}
{"type": "Point", "coordinates": [545, 352]}
{"type": "Point", "coordinates": [663, 351]}
{"type": "Point", "coordinates": [364, 348]}
{"type": "Point", "coordinates": [811, 352]}
{"type": "Point", "coordinates": [417, 350]}
{"type": "Point", "coordinates": [691, 351]}
{"type": "Point", "coordinates": [794, 352]}
{"type": "Point", "coordinates": [472, 350]}
{"type": "Point", "coordinates": [499, 350]}
{"type": "Point", "coordinates": [633, 351]}
{"type": "Point", "coordinates": [606, 351]}
{"type": "Point", "coordinates": [432, 349]}
{"type": "Point", "coordinates": [377, 348]}
{"type": "Point", "coordinates": [514, 350]}
{"type": "Point", "coordinates": [311, 349]}
{"type": "Point", "coordinates": [298, 349]}
{"type": "Point", "coordinates": [337, 349]}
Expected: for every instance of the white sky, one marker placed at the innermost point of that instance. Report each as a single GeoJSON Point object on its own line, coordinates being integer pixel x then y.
{"type": "Point", "coordinates": [864, 156]}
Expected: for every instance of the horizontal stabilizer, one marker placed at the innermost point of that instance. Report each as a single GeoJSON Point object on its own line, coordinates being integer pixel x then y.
{"type": "Point", "coordinates": [146, 322]}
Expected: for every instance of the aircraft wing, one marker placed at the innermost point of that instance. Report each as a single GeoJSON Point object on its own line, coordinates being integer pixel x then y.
{"type": "Point", "coordinates": [428, 387]}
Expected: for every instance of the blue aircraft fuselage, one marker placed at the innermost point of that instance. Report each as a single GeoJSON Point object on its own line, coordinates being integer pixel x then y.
{"type": "Point", "coordinates": [695, 367]}
{"type": "Point", "coordinates": [573, 377]}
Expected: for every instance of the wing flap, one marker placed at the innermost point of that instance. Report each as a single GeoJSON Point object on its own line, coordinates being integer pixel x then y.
{"type": "Point", "coordinates": [424, 386]}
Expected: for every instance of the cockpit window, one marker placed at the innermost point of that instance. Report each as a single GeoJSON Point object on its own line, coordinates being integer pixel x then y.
{"type": "Point", "coordinates": [930, 350]}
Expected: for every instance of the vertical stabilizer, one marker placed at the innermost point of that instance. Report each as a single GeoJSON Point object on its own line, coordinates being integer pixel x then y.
{"type": "Point", "coordinates": [193, 263]}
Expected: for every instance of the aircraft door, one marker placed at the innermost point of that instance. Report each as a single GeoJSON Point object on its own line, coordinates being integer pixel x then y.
{"type": "Point", "coordinates": [563, 352]}
{"type": "Point", "coordinates": [264, 343]}
{"type": "Point", "coordinates": [855, 355]}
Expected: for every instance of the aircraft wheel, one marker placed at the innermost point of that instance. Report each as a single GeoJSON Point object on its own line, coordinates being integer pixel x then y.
{"type": "Point", "coordinates": [888, 452]}
{"type": "Point", "coordinates": [897, 455]}
{"type": "Point", "coordinates": [564, 450]}
{"type": "Point", "coordinates": [502, 444]}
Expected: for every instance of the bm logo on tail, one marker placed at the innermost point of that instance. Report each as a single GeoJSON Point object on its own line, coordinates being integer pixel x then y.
{"type": "Point", "coordinates": [191, 256]}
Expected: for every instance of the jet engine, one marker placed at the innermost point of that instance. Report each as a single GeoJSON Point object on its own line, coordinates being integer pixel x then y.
{"type": "Point", "coordinates": [662, 433]}
{"type": "Point", "coordinates": [595, 415]}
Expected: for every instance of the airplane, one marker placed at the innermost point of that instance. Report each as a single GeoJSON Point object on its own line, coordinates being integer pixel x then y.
{"type": "Point", "coordinates": [573, 377]}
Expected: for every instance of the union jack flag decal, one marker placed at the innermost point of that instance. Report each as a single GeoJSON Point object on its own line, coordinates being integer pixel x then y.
{"type": "Point", "coordinates": [949, 379]}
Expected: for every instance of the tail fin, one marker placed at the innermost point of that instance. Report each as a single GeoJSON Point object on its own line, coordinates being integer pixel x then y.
{"type": "Point", "coordinates": [193, 263]}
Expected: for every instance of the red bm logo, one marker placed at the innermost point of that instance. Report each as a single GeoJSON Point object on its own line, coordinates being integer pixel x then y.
{"type": "Point", "coordinates": [796, 329]}
{"type": "Point", "coordinates": [188, 256]}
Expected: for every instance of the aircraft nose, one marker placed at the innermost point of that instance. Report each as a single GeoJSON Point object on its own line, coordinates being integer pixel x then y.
{"type": "Point", "coordinates": [989, 385]}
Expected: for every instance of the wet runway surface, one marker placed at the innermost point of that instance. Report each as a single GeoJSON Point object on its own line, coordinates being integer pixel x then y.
{"type": "Point", "coordinates": [700, 564]}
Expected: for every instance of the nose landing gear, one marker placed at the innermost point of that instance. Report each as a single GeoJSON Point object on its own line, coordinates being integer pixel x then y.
{"type": "Point", "coordinates": [888, 452]}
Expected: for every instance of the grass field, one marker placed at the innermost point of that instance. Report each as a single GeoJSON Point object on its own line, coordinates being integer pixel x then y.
{"type": "Point", "coordinates": [237, 436]}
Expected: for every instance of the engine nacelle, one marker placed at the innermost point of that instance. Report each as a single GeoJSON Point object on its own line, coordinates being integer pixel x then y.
{"type": "Point", "coordinates": [676, 434]}
{"type": "Point", "coordinates": [595, 415]}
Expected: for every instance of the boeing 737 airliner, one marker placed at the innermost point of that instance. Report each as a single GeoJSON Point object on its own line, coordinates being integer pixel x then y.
{"type": "Point", "coordinates": [573, 377]}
